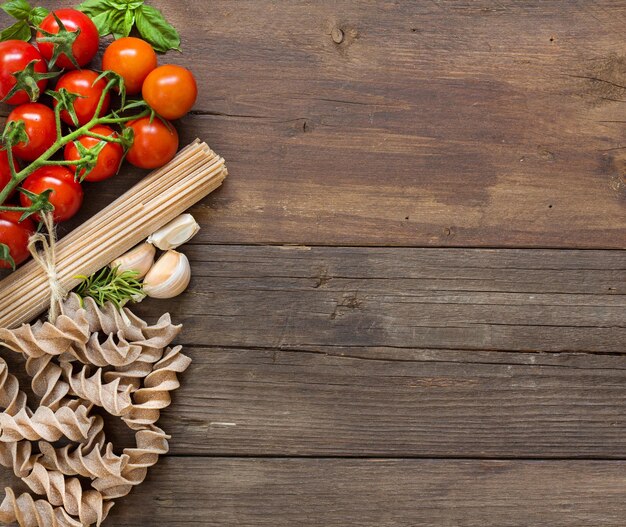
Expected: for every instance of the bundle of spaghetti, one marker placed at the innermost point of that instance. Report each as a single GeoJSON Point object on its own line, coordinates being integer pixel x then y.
{"type": "Point", "coordinates": [61, 491]}
{"type": "Point", "coordinates": [27, 512]}
{"type": "Point", "coordinates": [159, 198]}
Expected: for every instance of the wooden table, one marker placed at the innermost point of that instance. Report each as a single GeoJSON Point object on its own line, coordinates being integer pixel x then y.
{"type": "Point", "coordinates": [408, 299]}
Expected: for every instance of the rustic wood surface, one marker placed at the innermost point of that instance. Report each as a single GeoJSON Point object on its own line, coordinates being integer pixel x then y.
{"type": "Point", "coordinates": [408, 300]}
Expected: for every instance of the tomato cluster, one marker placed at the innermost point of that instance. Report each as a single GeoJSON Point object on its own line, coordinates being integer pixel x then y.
{"type": "Point", "coordinates": [67, 41]}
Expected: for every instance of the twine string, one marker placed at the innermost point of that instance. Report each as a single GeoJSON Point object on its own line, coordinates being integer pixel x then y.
{"type": "Point", "coordinates": [46, 258]}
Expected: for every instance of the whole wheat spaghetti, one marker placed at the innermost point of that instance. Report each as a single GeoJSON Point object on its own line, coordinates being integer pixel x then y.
{"type": "Point", "coordinates": [156, 200]}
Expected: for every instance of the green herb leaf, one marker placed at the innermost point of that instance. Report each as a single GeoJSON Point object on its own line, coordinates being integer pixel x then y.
{"type": "Point", "coordinates": [18, 31]}
{"type": "Point", "coordinates": [109, 285]}
{"type": "Point", "coordinates": [19, 9]}
{"type": "Point", "coordinates": [122, 22]}
{"type": "Point", "coordinates": [156, 30]}
{"type": "Point", "coordinates": [37, 15]}
{"type": "Point", "coordinates": [102, 22]}
{"type": "Point", "coordinates": [122, 5]}
{"type": "Point", "coordinates": [95, 7]}
{"type": "Point", "coordinates": [5, 255]}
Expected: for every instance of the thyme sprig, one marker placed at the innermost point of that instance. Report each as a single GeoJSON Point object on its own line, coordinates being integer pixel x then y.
{"type": "Point", "coordinates": [109, 285]}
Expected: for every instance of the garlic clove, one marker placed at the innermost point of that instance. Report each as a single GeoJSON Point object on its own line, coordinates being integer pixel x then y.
{"type": "Point", "coordinates": [140, 259]}
{"type": "Point", "coordinates": [175, 233]}
{"type": "Point", "coordinates": [169, 276]}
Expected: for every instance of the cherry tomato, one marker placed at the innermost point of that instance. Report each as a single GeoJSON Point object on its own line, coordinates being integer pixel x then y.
{"type": "Point", "coordinates": [131, 58]}
{"type": "Point", "coordinates": [66, 196]}
{"type": "Point", "coordinates": [5, 171]}
{"type": "Point", "coordinates": [40, 128]}
{"type": "Point", "coordinates": [170, 90]}
{"type": "Point", "coordinates": [82, 83]}
{"type": "Point", "coordinates": [155, 143]}
{"type": "Point", "coordinates": [109, 158]}
{"type": "Point", "coordinates": [15, 55]}
{"type": "Point", "coordinates": [15, 235]}
{"type": "Point", "coordinates": [84, 47]}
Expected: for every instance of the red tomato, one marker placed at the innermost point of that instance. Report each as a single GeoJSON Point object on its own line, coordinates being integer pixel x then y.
{"type": "Point", "coordinates": [155, 143]}
{"type": "Point", "coordinates": [84, 47]}
{"type": "Point", "coordinates": [15, 55]}
{"type": "Point", "coordinates": [66, 196]}
{"type": "Point", "coordinates": [131, 58]}
{"type": "Point", "coordinates": [171, 91]}
{"type": "Point", "coordinates": [5, 171]}
{"type": "Point", "coordinates": [15, 235]}
{"type": "Point", "coordinates": [109, 158]}
{"type": "Point", "coordinates": [40, 128]}
{"type": "Point", "coordinates": [82, 83]}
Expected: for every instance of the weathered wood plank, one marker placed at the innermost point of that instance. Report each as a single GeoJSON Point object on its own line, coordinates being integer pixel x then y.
{"type": "Point", "coordinates": [377, 493]}
{"type": "Point", "coordinates": [364, 402]}
{"type": "Point", "coordinates": [395, 403]}
{"type": "Point", "coordinates": [431, 123]}
{"type": "Point", "coordinates": [277, 297]}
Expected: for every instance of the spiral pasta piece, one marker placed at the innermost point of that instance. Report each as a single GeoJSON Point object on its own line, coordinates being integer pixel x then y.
{"type": "Point", "coordinates": [28, 512]}
{"type": "Point", "coordinates": [95, 390]}
{"type": "Point", "coordinates": [46, 381]}
{"type": "Point", "coordinates": [150, 444]}
{"type": "Point", "coordinates": [44, 338]}
{"type": "Point", "coordinates": [88, 505]}
{"type": "Point", "coordinates": [155, 395]}
{"type": "Point", "coordinates": [12, 398]}
{"type": "Point", "coordinates": [76, 335]}
{"type": "Point", "coordinates": [46, 424]}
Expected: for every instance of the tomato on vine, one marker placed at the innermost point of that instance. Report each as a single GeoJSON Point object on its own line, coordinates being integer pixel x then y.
{"type": "Point", "coordinates": [109, 158]}
{"type": "Point", "coordinates": [155, 143]}
{"type": "Point", "coordinates": [39, 126]}
{"type": "Point", "coordinates": [15, 235]}
{"type": "Point", "coordinates": [66, 195]}
{"type": "Point", "coordinates": [171, 91]}
{"type": "Point", "coordinates": [23, 72]}
{"type": "Point", "coordinates": [68, 38]}
{"type": "Point", "coordinates": [132, 59]}
{"type": "Point", "coordinates": [83, 83]}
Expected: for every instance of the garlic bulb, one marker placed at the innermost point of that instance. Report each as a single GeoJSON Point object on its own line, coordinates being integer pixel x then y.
{"type": "Point", "coordinates": [169, 276]}
{"type": "Point", "coordinates": [175, 233]}
{"type": "Point", "coordinates": [139, 259]}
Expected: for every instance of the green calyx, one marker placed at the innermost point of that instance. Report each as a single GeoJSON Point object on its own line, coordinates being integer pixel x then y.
{"type": "Point", "coordinates": [27, 80]}
{"type": "Point", "coordinates": [62, 42]}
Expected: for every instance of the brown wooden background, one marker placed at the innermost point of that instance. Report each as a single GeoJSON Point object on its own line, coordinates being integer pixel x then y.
{"type": "Point", "coordinates": [408, 299]}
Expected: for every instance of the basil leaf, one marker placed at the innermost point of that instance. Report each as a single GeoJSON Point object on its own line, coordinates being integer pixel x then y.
{"type": "Point", "coordinates": [37, 15]}
{"type": "Point", "coordinates": [18, 31]}
{"type": "Point", "coordinates": [127, 4]}
{"type": "Point", "coordinates": [5, 255]}
{"type": "Point", "coordinates": [121, 22]}
{"type": "Point", "coordinates": [95, 7]}
{"type": "Point", "coordinates": [19, 9]}
{"type": "Point", "coordinates": [156, 30]}
{"type": "Point", "coordinates": [102, 22]}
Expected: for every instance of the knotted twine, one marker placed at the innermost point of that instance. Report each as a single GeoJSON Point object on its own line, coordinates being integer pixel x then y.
{"type": "Point", "coordinates": [46, 258]}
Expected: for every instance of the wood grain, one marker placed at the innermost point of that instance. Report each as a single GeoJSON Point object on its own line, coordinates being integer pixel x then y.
{"type": "Point", "coordinates": [290, 298]}
{"type": "Point", "coordinates": [376, 493]}
{"type": "Point", "coordinates": [444, 123]}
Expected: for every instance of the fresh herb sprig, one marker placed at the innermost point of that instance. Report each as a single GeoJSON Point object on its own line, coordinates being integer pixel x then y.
{"type": "Point", "coordinates": [118, 17]}
{"type": "Point", "coordinates": [109, 285]}
{"type": "Point", "coordinates": [111, 17]}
